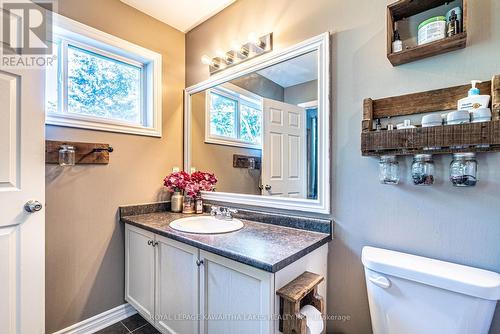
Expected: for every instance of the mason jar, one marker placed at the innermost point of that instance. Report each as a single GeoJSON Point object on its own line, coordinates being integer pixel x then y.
{"type": "Point", "coordinates": [422, 170]}
{"type": "Point", "coordinates": [388, 169]}
{"type": "Point", "coordinates": [67, 155]}
{"type": "Point", "coordinates": [463, 170]}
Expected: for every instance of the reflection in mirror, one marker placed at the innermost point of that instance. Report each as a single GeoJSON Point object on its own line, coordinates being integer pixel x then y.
{"type": "Point", "coordinates": [258, 133]}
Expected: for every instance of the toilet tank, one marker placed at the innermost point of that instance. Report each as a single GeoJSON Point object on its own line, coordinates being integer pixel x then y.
{"type": "Point", "coordinates": [413, 295]}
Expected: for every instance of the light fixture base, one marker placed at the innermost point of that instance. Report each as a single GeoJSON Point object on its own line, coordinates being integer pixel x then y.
{"type": "Point", "coordinates": [247, 51]}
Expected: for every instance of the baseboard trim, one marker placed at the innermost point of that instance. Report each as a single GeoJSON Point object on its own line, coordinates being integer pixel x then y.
{"type": "Point", "coordinates": [100, 321]}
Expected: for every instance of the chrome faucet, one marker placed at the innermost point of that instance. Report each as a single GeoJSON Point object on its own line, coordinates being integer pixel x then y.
{"type": "Point", "coordinates": [222, 213]}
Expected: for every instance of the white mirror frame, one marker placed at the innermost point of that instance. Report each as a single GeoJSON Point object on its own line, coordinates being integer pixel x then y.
{"type": "Point", "coordinates": [321, 44]}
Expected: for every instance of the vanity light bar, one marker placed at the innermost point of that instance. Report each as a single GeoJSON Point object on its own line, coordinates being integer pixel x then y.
{"type": "Point", "coordinates": [255, 47]}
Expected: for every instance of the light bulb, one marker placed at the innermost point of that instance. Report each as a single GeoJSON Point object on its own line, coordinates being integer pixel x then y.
{"type": "Point", "coordinates": [255, 40]}
{"type": "Point", "coordinates": [252, 38]}
{"type": "Point", "coordinates": [221, 54]}
{"type": "Point", "coordinates": [206, 60]}
{"type": "Point", "coordinates": [236, 46]}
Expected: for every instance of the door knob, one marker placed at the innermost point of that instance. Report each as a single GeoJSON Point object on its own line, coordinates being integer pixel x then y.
{"type": "Point", "coordinates": [32, 206]}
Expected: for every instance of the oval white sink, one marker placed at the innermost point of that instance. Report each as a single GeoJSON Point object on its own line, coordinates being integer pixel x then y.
{"type": "Point", "coordinates": [206, 225]}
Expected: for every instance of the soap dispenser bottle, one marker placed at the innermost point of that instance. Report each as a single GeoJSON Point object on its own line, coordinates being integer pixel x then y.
{"type": "Point", "coordinates": [474, 100]}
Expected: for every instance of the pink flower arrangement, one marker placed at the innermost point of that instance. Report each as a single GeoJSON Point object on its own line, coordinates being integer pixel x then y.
{"type": "Point", "coordinates": [177, 181]}
{"type": "Point", "coordinates": [206, 180]}
{"type": "Point", "coordinates": [192, 184]}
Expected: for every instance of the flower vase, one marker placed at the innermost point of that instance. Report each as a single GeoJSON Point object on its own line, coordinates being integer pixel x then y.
{"type": "Point", "coordinates": [176, 202]}
{"type": "Point", "coordinates": [189, 205]}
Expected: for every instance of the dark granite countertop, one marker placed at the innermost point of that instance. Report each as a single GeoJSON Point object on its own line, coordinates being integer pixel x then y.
{"type": "Point", "coordinates": [265, 246]}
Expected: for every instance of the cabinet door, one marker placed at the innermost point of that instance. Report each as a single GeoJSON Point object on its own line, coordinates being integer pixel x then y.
{"type": "Point", "coordinates": [177, 287]}
{"type": "Point", "coordinates": [139, 270]}
{"type": "Point", "coordinates": [234, 298]}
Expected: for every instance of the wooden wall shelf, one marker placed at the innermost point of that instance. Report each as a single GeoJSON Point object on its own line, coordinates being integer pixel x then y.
{"type": "Point", "coordinates": [85, 153]}
{"type": "Point", "coordinates": [428, 50]}
{"type": "Point", "coordinates": [403, 9]}
{"type": "Point", "coordinates": [446, 137]}
{"type": "Point", "coordinates": [477, 137]}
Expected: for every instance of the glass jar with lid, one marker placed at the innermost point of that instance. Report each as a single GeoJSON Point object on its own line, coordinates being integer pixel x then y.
{"type": "Point", "coordinates": [463, 170]}
{"type": "Point", "coordinates": [422, 170]}
{"type": "Point", "coordinates": [66, 155]}
{"type": "Point", "coordinates": [388, 169]}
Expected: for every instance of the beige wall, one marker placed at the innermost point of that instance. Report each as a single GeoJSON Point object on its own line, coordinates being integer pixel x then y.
{"type": "Point", "coordinates": [218, 159]}
{"type": "Point", "coordinates": [460, 225]}
{"type": "Point", "coordinates": [85, 249]}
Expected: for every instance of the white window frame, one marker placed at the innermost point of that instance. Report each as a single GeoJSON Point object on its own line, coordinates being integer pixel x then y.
{"type": "Point", "coordinates": [232, 92]}
{"type": "Point", "coordinates": [90, 39]}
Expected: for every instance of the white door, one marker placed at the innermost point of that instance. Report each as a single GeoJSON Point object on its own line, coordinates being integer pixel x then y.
{"type": "Point", "coordinates": [22, 233]}
{"type": "Point", "coordinates": [177, 282]}
{"type": "Point", "coordinates": [284, 156]}
{"type": "Point", "coordinates": [234, 298]}
{"type": "Point", "coordinates": [140, 270]}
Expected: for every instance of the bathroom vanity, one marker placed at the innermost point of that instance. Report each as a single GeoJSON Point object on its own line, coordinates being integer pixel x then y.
{"type": "Point", "coordinates": [262, 129]}
{"type": "Point", "coordinates": [218, 283]}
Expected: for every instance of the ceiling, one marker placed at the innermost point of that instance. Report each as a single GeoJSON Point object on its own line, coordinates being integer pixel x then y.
{"type": "Point", "coordinates": [183, 15]}
{"type": "Point", "coordinates": [293, 71]}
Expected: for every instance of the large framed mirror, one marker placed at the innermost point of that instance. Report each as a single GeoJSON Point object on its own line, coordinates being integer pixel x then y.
{"type": "Point", "coordinates": [263, 128]}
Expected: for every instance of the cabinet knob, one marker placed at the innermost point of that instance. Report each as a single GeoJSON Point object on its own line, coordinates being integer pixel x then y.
{"type": "Point", "coordinates": [155, 243]}
{"type": "Point", "coordinates": [199, 262]}
{"type": "Point", "coordinates": [150, 242]}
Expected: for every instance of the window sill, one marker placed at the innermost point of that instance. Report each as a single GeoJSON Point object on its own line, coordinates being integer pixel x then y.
{"type": "Point", "coordinates": [235, 143]}
{"type": "Point", "coordinates": [101, 125]}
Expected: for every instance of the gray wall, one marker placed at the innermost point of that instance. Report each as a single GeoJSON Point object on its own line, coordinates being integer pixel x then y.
{"type": "Point", "coordinates": [84, 240]}
{"type": "Point", "coordinates": [304, 92]}
{"type": "Point", "coordinates": [261, 86]}
{"type": "Point", "coordinates": [459, 225]}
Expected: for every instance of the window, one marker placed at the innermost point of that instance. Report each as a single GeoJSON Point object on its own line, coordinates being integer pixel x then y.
{"type": "Point", "coordinates": [234, 117]}
{"type": "Point", "coordinates": [102, 82]}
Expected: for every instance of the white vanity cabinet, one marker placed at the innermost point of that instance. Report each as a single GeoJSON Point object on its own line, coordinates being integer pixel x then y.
{"type": "Point", "coordinates": [177, 286]}
{"type": "Point", "coordinates": [140, 270]}
{"type": "Point", "coordinates": [181, 289]}
{"type": "Point", "coordinates": [234, 298]}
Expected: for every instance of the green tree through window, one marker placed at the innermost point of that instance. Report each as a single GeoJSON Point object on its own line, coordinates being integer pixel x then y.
{"type": "Point", "coordinates": [103, 87]}
{"type": "Point", "coordinates": [235, 118]}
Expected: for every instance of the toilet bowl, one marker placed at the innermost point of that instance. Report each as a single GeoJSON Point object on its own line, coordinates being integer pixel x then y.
{"type": "Point", "coordinates": [413, 295]}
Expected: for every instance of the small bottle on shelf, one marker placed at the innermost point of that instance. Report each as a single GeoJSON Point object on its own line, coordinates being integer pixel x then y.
{"type": "Point", "coordinates": [453, 25]}
{"type": "Point", "coordinates": [397, 44]}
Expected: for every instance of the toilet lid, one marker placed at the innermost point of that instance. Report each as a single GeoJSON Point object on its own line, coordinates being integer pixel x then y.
{"type": "Point", "coordinates": [446, 275]}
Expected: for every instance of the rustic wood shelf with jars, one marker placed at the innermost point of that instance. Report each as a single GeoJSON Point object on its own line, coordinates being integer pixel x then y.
{"type": "Point", "coordinates": [443, 139]}
{"type": "Point", "coordinates": [400, 11]}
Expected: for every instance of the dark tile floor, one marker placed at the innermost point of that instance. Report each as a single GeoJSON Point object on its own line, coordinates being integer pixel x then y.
{"type": "Point", "coordinates": [134, 324]}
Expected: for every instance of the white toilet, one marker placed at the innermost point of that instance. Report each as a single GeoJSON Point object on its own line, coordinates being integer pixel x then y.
{"type": "Point", "coordinates": [411, 294]}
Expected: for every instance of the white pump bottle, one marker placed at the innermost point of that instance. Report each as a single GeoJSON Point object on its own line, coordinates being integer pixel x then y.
{"type": "Point", "coordinates": [474, 100]}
